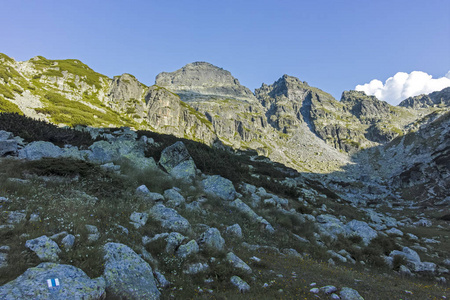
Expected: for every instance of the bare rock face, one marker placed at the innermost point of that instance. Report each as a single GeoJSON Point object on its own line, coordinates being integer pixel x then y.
{"type": "Point", "coordinates": [126, 94]}
{"type": "Point", "coordinates": [204, 80]}
{"type": "Point", "coordinates": [168, 114]}
{"type": "Point", "coordinates": [436, 98]}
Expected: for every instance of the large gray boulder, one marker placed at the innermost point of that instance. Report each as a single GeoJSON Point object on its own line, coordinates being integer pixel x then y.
{"type": "Point", "coordinates": [362, 229]}
{"type": "Point", "coordinates": [413, 260]}
{"type": "Point", "coordinates": [218, 186]}
{"type": "Point", "coordinates": [170, 219]}
{"type": "Point", "coordinates": [177, 161]}
{"type": "Point", "coordinates": [45, 248]}
{"type": "Point", "coordinates": [212, 240]}
{"type": "Point", "coordinates": [104, 152]}
{"type": "Point", "coordinates": [127, 275]}
{"type": "Point", "coordinates": [73, 284]}
{"type": "Point", "coordinates": [8, 145]}
{"type": "Point", "coordinates": [40, 149]}
{"type": "Point", "coordinates": [330, 226]}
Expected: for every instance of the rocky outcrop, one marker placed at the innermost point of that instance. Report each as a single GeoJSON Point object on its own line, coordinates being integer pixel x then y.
{"type": "Point", "coordinates": [203, 80]}
{"type": "Point", "coordinates": [168, 114]}
{"type": "Point", "coordinates": [126, 95]}
{"type": "Point", "coordinates": [120, 282]}
{"type": "Point", "coordinates": [54, 281]}
{"type": "Point", "coordinates": [439, 98]}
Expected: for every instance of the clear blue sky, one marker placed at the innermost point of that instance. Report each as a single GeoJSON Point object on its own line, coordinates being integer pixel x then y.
{"type": "Point", "coordinates": [333, 45]}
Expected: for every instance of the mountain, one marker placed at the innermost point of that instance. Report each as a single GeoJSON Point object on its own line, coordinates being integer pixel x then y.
{"type": "Point", "coordinates": [288, 121]}
{"type": "Point", "coordinates": [208, 190]}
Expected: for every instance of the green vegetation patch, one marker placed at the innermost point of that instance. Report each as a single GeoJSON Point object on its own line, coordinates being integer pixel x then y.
{"type": "Point", "coordinates": [9, 107]}
{"type": "Point", "coordinates": [73, 66]}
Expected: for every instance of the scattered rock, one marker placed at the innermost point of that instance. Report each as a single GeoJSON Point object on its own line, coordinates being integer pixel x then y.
{"type": "Point", "coordinates": [174, 239]}
{"type": "Point", "coordinates": [238, 263]}
{"type": "Point", "coordinates": [170, 219]}
{"type": "Point", "coordinates": [120, 282]}
{"type": "Point", "coordinates": [44, 247]}
{"type": "Point", "coordinates": [218, 186]}
{"type": "Point", "coordinates": [212, 240]}
{"type": "Point", "coordinates": [138, 219]}
{"type": "Point", "coordinates": [8, 145]}
{"type": "Point", "coordinates": [93, 233]}
{"type": "Point", "coordinates": [394, 231]}
{"type": "Point", "coordinates": [328, 289]}
{"type": "Point", "coordinates": [173, 197]}
{"type": "Point", "coordinates": [188, 249]}
{"type": "Point", "coordinates": [234, 230]}
{"type": "Point", "coordinates": [361, 229]}
{"type": "Point", "coordinates": [240, 284]}
{"type": "Point", "coordinates": [68, 241]}
{"type": "Point", "coordinates": [73, 284]}
{"type": "Point", "coordinates": [161, 279]}
{"type": "Point", "coordinates": [245, 209]}
{"type": "Point", "coordinates": [145, 193]}
{"type": "Point", "coordinates": [196, 268]}
{"type": "Point", "coordinates": [40, 149]}
{"type": "Point", "coordinates": [350, 294]}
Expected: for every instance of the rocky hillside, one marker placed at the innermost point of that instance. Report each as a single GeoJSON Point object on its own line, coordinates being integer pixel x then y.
{"type": "Point", "coordinates": [205, 103]}
{"type": "Point", "coordinates": [119, 214]}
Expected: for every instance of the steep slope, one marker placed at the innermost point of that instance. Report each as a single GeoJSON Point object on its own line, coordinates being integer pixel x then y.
{"type": "Point", "coordinates": [417, 165]}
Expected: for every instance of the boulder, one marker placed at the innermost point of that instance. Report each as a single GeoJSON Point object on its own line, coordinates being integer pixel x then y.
{"type": "Point", "coordinates": [350, 294]}
{"type": "Point", "coordinates": [138, 219]}
{"type": "Point", "coordinates": [234, 230]}
{"type": "Point", "coordinates": [174, 239]}
{"type": "Point", "coordinates": [238, 263]}
{"type": "Point", "coordinates": [44, 247]}
{"type": "Point", "coordinates": [145, 193]}
{"type": "Point", "coordinates": [127, 275]}
{"type": "Point", "coordinates": [240, 284]}
{"type": "Point", "coordinates": [330, 226]}
{"type": "Point", "coordinates": [218, 186]}
{"type": "Point", "coordinates": [212, 240]}
{"type": "Point", "coordinates": [173, 197]}
{"type": "Point", "coordinates": [169, 218]}
{"type": "Point", "coordinates": [69, 283]}
{"type": "Point", "coordinates": [188, 249]}
{"type": "Point", "coordinates": [361, 229]}
{"type": "Point", "coordinates": [246, 210]}
{"type": "Point", "coordinates": [328, 289]}
{"type": "Point", "coordinates": [103, 152]}
{"type": "Point", "coordinates": [8, 145]}
{"type": "Point", "coordinates": [40, 149]}
{"type": "Point", "coordinates": [68, 241]}
{"type": "Point", "coordinates": [196, 268]}
{"type": "Point", "coordinates": [176, 160]}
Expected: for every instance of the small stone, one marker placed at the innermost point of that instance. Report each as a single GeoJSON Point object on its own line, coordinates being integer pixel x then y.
{"type": "Point", "coordinates": [350, 294]}
{"type": "Point", "coordinates": [45, 248]}
{"type": "Point", "coordinates": [196, 268]}
{"type": "Point", "coordinates": [241, 285]}
{"type": "Point", "coordinates": [68, 242]}
{"type": "Point", "coordinates": [314, 290]}
{"type": "Point", "coordinates": [328, 289]}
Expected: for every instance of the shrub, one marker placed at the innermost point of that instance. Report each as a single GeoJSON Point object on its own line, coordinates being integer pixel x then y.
{"type": "Point", "coordinates": [34, 130]}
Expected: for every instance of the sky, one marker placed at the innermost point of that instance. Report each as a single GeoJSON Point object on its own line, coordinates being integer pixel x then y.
{"type": "Point", "coordinates": [333, 45]}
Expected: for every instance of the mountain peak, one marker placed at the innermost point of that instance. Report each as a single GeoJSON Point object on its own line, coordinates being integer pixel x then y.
{"type": "Point", "coordinates": [203, 80]}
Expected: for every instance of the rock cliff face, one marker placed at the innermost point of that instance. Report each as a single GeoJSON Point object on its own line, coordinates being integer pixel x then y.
{"type": "Point", "coordinates": [203, 80]}
{"type": "Point", "coordinates": [440, 98]}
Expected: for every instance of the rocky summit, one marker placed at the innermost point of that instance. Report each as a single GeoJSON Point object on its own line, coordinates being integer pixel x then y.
{"type": "Point", "coordinates": [197, 187]}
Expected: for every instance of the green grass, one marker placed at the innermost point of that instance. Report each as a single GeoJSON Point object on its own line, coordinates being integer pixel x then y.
{"type": "Point", "coordinates": [73, 66]}
{"type": "Point", "coordinates": [9, 107]}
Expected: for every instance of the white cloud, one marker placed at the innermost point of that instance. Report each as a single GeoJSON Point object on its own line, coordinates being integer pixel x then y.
{"type": "Point", "coordinates": [403, 85]}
